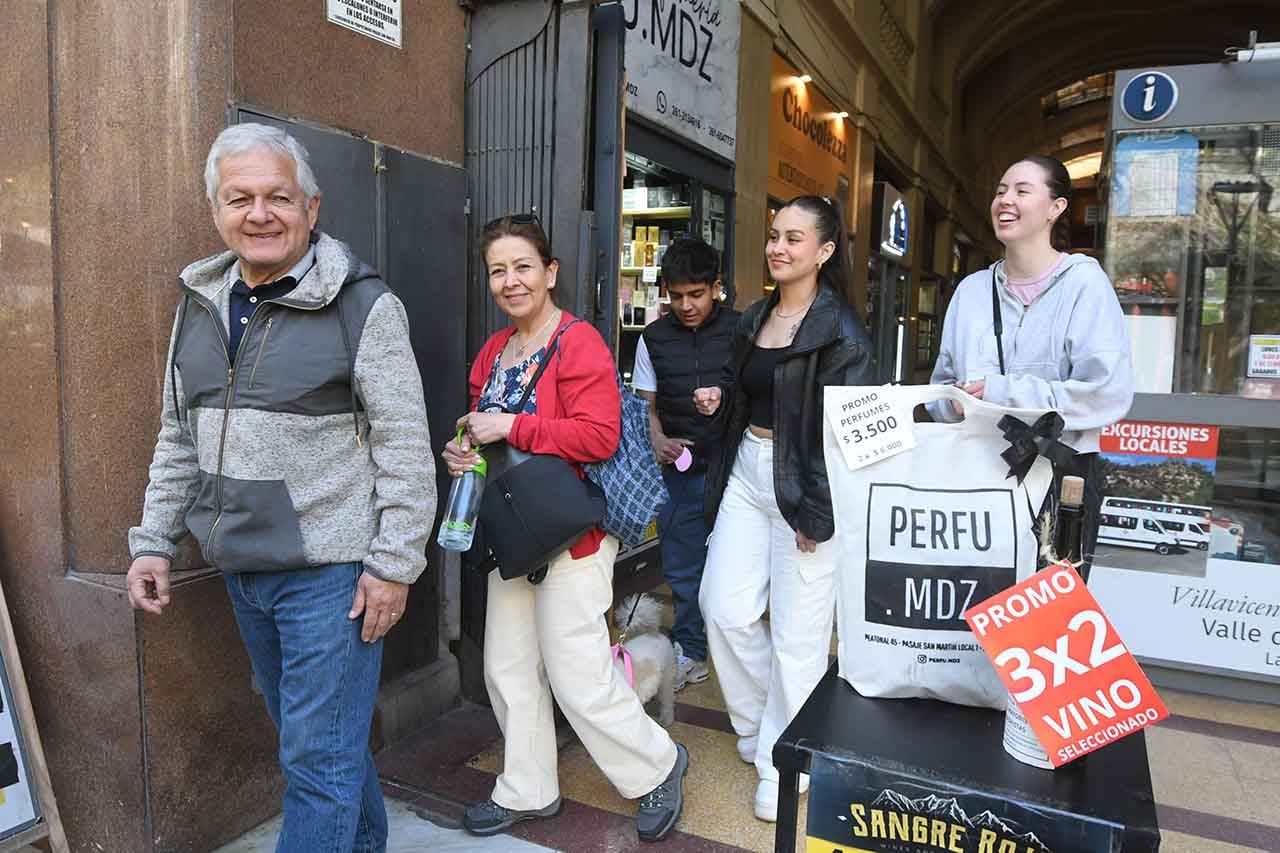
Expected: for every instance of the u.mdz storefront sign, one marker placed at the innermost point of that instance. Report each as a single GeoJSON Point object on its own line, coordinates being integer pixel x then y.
{"type": "Point", "coordinates": [682, 68]}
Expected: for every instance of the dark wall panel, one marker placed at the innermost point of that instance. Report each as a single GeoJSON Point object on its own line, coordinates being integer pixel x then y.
{"type": "Point", "coordinates": [427, 268]}
{"type": "Point", "coordinates": [343, 166]}
{"type": "Point", "coordinates": [406, 216]}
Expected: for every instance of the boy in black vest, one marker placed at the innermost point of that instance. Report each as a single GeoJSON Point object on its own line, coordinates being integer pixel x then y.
{"type": "Point", "coordinates": [681, 351]}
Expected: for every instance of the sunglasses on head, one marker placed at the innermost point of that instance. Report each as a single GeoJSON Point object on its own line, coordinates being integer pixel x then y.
{"type": "Point", "coordinates": [514, 219]}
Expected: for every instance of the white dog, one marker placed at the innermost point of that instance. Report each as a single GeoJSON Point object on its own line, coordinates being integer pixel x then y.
{"type": "Point", "coordinates": [653, 657]}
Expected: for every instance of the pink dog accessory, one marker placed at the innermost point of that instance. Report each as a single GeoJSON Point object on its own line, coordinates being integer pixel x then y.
{"type": "Point", "coordinates": [620, 651]}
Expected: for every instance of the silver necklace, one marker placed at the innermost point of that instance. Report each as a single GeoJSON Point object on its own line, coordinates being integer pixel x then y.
{"type": "Point", "coordinates": [535, 336]}
{"type": "Point", "coordinates": [795, 327]}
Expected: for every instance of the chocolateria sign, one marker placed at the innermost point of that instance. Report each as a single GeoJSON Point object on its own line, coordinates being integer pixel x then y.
{"type": "Point", "coordinates": [808, 138]}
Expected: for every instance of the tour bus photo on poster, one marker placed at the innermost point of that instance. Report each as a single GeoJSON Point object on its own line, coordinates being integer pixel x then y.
{"type": "Point", "coordinates": [1157, 488]}
{"type": "Point", "coordinates": [1185, 570]}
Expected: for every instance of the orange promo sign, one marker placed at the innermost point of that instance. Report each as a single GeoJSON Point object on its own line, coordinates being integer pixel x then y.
{"type": "Point", "coordinates": [1074, 680]}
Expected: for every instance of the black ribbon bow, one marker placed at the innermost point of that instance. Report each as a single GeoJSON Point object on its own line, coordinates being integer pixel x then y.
{"type": "Point", "coordinates": [1028, 442]}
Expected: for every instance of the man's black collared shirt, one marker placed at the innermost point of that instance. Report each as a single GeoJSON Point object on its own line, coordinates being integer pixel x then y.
{"type": "Point", "coordinates": [245, 300]}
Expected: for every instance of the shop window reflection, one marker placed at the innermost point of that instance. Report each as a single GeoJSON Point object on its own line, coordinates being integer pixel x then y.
{"type": "Point", "coordinates": [1246, 492]}
{"type": "Point", "coordinates": [1194, 253]}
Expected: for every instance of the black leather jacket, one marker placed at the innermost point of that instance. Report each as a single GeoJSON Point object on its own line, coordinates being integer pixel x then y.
{"type": "Point", "coordinates": [831, 347]}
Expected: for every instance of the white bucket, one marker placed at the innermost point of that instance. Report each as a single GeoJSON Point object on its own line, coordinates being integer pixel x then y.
{"type": "Point", "coordinates": [1020, 740]}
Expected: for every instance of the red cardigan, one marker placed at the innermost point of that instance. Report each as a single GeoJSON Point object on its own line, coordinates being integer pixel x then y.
{"type": "Point", "coordinates": [579, 409]}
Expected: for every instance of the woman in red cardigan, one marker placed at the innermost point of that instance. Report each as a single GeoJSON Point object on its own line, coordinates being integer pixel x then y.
{"type": "Point", "coordinates": [558, 625]}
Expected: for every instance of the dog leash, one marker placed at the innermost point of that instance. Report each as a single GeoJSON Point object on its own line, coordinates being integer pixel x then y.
{"type": "Point", "coordinates": [620, 651]}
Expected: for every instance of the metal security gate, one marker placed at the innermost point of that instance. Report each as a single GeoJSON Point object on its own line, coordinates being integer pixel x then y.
{"type": "Point", "coordinates": [528, 77]}
{"type": "Point", "coordinates": [543, 135]}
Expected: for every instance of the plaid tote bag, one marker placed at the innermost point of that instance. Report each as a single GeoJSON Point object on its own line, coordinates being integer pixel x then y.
{"type": "Point", "coordinates": [631, 479]}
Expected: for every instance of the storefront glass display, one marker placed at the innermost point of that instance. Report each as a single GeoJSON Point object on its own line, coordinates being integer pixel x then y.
{"type": "Point", "coordinates": [660, 204]}
{"type": "Point", "coordinates": [887, 282]}
{"type": "Point", "coordinates": [657, 207]}
{"type": "Point", "coordinates": [927, 324]}
{"type": "Point", "coordinates": [886, 315]}
{"type": "Point", "coordinates": [1194, 253]}
{"type": "Point", "coordinates": [1189, 536]}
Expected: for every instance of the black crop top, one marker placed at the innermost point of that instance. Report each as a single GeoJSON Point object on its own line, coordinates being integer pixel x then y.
{"type": "Point", "coordinates": [757, 383]}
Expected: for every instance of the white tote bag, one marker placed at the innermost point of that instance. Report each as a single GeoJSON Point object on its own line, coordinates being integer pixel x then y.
{"type": "Point", "coordinates": [921, 537]}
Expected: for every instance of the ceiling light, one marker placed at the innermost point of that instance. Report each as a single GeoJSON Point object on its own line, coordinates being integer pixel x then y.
{"type": "Point", "coordinates": [805, 78]}
{"type": "Point", "coordinates": [1084, 167]}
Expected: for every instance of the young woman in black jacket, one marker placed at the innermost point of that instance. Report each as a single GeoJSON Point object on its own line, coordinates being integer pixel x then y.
{"type": "Point", "coordinates": [767, 486]}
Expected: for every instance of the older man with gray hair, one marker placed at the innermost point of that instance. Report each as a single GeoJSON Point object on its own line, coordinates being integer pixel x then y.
{"type": "Point", "coordinates": [293, 445]}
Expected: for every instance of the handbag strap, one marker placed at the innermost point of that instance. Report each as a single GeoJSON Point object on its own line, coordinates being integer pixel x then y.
{"type": "Point", "coordinates": [542, 365]}
{"type": "Point", "coordinates": [997, 319]}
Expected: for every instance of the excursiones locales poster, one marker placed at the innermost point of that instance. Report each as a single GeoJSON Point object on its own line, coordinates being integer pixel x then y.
{"type": "Point", "coordinates": [1185, 563]}
{"type": "Point", "coordinates": [1157, 495]}
{"type": "Point", "coordinates": [856, 808]}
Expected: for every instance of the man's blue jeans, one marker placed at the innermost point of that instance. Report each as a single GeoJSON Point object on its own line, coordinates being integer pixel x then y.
{"type": "Point", "coordinates": [320, 681]}
{"type": "Point", "coordinates": [684, 531]}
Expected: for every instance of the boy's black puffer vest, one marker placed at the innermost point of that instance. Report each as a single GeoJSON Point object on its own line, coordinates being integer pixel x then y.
{"type": "Point", "coordinates": [685, 359]}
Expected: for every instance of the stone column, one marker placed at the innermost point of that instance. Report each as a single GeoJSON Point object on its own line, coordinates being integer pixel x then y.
{"type": "Point", "coordinates": [154, 736]}
{"type": "Point", "coordinates": [751, 203]}
{"type": "Point", "coordinates": [862, 147]}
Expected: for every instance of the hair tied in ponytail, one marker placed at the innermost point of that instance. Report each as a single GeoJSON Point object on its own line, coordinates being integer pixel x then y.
{"type": "Point", "coordinates": [1058, 180]}
{"type": "Point", "coordinates": [829, 221]}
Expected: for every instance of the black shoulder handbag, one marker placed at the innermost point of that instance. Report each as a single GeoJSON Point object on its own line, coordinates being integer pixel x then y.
{"type": "Point", "coordinates": [534, 505]}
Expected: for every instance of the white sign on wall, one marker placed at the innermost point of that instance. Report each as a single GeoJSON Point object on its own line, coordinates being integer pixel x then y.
{"type": "Point", "coordinates": [1228, 618]}
{"type": "Point", "coordinates": [682, 68]}
{"type": "Point", "coordinates": [378, 19]}
{"type": "Point", "coordinates": [1264, 356]}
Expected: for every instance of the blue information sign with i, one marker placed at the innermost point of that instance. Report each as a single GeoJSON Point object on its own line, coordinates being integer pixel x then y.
{"type": "Point", "coordinates": [1149, 96]}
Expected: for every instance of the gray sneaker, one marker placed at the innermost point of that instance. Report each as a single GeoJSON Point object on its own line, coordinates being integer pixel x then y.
{"type": "Point", "coordinates": [688, 670]}
{"type": "Point", "coordinates": [660, 808]}
{"type": "Point", "coordinates": [489, 818]}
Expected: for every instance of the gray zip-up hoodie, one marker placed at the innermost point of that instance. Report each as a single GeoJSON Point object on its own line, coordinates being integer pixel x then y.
{"type": "Point", "coordinates": [1068, 350]}
{"type": "Point", "coordinates": [312, 446]}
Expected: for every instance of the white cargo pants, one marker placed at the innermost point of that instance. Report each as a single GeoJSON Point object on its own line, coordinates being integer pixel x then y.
{"type": "Point", "coordinates": [766, 670]}
{"type": "Point", "coordinates": [553, 637]}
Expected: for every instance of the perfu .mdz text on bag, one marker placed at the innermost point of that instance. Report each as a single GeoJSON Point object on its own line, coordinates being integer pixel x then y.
{"type": "Point", "coordinates": [923, 535]}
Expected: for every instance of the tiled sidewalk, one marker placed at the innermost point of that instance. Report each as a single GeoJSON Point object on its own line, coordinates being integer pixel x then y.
{"type": "Point", "coordinates": [410, 832]}
{"type": "Point", "coordinates": [1215, 769]}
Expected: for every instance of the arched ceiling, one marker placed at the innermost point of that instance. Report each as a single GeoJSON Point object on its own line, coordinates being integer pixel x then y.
{"type": "Point", "coordinates": [994, 59]}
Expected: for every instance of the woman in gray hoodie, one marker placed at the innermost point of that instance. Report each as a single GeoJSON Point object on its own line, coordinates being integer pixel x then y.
{"type": "Point", "coordinates": [1041, 328]}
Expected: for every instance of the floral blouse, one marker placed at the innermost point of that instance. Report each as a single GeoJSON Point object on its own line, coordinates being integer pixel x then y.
{"type": "Point", "coordinates": [504, 388]}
